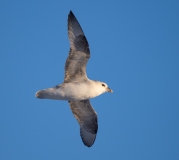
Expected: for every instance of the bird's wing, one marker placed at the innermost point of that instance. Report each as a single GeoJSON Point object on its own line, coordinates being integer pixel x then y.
{"type": "Point", "coordinates": [75, 67]}
{"type": "Point", "coordinates": [87, 119]}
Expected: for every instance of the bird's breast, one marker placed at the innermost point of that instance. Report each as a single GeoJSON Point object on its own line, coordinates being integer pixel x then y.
{"type": "Point", "coordinates": [78, 91]}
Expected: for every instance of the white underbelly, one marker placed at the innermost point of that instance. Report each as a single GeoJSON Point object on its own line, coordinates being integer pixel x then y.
{"type": "Point", "coordinates": [70, 91]}
{"type": "Point", "coordinates": [75, 91]}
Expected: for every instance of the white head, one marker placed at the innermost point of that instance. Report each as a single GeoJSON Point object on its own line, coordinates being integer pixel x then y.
{"type": "Point", "coordinates": [104, 87]}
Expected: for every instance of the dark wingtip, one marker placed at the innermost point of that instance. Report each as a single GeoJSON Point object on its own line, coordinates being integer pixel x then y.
{"type": "Point", "coordinates": [87, 137]}
{"type": "Point", "coordinates": [71, 13]}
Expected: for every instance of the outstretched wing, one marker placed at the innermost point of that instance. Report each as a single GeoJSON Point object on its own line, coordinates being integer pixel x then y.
{"type": "Point", "coordinates": [75, 67]}
{"type": "Point", "coordinates": [87, 119]}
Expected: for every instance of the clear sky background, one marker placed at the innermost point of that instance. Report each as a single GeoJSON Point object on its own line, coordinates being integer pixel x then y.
{"type": "Point", "coordinates": [134, 48]}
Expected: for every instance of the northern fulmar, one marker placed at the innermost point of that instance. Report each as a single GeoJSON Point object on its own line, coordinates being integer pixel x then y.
{"type": "Point", "coordinates": [77, 89]}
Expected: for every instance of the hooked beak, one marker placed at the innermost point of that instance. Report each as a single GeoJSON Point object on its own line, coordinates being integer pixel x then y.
{"type": "Point", "coordinates": [109, 90]}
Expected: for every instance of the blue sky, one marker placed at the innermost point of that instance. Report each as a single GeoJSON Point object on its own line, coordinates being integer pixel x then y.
{"type": "Point", "coordinates": [134, 48]}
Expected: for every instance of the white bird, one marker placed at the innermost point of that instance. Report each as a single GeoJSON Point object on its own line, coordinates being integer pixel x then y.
{"type": "Point", "coordinates": [77, 89]}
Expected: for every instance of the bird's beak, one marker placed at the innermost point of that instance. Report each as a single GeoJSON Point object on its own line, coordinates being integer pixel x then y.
{"type": "Point", "coordinates": [109, 90]}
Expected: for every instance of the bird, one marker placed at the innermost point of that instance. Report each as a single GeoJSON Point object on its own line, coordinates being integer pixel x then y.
{"type": "Point", "coordinates": [76, 88]}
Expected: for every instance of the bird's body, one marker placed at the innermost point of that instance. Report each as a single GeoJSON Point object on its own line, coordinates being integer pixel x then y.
{"type": "Point", "coordinates": [77, 89]}
{"type": "Point", "coordinates": [72, 91]}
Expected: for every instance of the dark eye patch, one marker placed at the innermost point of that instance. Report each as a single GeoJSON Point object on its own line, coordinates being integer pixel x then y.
{"type": "Point", "coordinates": [103, 85]}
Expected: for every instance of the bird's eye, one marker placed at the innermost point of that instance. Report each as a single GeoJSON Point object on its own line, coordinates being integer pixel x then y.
{"type": "Point", "coordinates": [103, 85]}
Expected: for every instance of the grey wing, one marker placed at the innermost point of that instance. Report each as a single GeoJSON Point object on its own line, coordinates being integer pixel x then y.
{"type": "Point", "coordinates": [75, 67]}
{"type": "Point", "coordinates": [87, 119]}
